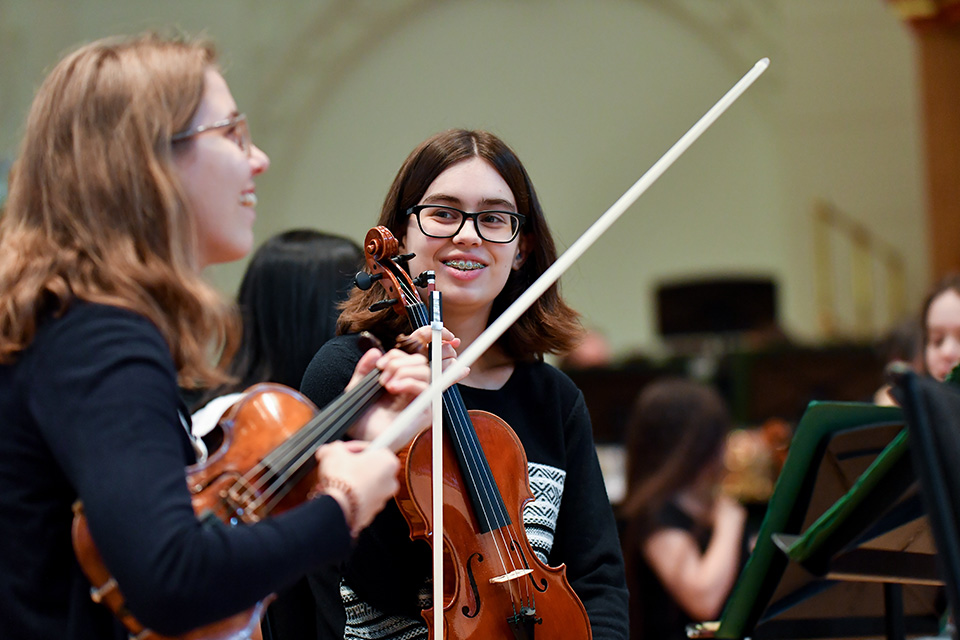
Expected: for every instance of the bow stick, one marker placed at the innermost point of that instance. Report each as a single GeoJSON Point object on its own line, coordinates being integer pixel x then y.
{"type": "Point", "coordinates": [436, 362]}
{"type": "Point", "coordinates": [396, 434]}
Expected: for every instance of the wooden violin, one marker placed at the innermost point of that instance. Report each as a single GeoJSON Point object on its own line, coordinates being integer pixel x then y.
{"type": "Point", "coordinates": [494, 584]}
{"type": "Point", "coordinates": [262, 465]}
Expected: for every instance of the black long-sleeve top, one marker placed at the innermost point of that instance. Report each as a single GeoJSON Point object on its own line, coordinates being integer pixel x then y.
{"type": "Point", "coordinates": [570, 521]}
{"type": "Point", "coordinates": [90, 410]}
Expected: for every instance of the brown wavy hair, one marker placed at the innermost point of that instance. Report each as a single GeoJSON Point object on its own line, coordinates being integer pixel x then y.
{"type": "Point", "coordinates": [95, 210]}
{"type": "Point", "coordinates": [549, 326]}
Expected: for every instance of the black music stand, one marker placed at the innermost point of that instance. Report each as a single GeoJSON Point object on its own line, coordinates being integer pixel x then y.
{"type": "Point", "coordinates": [830, 557]}
{"type": "Point", "coordinates": [932, 412]}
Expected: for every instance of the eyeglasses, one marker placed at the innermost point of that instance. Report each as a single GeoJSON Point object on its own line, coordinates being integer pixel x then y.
{"type": "Point", "coordinates": [239, 133]}
{"type": "Point", "coordinates": [440, 221]}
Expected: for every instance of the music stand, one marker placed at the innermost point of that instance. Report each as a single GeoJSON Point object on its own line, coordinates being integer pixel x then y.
{"type": "Point", "coordinates": [932, 412]}
{"type": "Point", "coordinates": [843, 496]}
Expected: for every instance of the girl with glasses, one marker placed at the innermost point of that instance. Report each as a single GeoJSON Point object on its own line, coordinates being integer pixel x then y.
{"type": "Point", "coordinates": [136, 171]}
{"type": "Point", "coordinates": [464, 205]}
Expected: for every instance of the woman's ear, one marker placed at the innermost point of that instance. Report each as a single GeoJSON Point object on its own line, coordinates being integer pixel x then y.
{"type": "Point", "coordinates": [521, 256]}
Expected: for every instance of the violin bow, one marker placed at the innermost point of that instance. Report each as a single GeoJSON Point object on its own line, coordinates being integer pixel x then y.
{"type": "Point", "coordinates": [401, 431]}
{"type": "Point", "coordinates": [436, 370]}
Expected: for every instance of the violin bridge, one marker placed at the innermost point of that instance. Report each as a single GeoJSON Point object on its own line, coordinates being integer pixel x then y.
{"type": "Point", "coordinates": [513, 575]}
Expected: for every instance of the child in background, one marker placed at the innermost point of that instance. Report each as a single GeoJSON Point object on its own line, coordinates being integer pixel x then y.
{"type": "Point", "coordinates": [684, 541]}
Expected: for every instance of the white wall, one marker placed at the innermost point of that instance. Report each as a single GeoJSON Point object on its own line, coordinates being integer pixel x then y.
{"type": "Point", "coordinates": [589, 93]}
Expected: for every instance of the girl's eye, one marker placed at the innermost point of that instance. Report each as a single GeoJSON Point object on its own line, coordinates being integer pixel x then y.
{"type": "Point", "coordinates": [493, 219]}
{"type": "Point", "coordinates": [441, 215]}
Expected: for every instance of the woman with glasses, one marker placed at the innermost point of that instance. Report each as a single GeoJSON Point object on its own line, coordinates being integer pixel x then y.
{"type": "Point", "coordinates": [464, 205]}
{"type": "Point", "coordinates": [135, 172]}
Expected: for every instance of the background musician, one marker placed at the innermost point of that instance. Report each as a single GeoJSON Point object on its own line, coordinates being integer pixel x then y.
{"type": "Point", "coordinates": [684, 540]}
{"type": "Point", "coordinates": [941, 328]}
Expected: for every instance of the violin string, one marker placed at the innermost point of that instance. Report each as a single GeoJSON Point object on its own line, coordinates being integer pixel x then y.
{"type": "Point", "coordinates": [286, 460]}
{"type": "Point", "coordinates": [481, 474]}
{"type": "Point", "coordinates": [292, 448]}
{"type": "Point", "coordinates": [280, 456]}
{"type": "Point", "coordinates": [477, 469]}
{"type": "Point", "coordinates": [299, 458]}
{"type": "Point", "coordinates": [252, 483]}
{"type": "Point", "coordinates": [292, 459]}
{"type": "Point", "coordinates": [295, 460]}
{"type": "Point", "coordinates": [491, 501]}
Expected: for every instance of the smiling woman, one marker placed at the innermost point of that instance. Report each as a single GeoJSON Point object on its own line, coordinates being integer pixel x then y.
{"type": "Point", "coordinates": [136, 170]}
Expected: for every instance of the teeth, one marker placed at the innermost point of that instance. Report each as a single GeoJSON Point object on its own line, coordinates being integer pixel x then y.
{"type": "Point", "coordinates": [464, 265]}
{"type": "Point", "coordinates": [248, 199]}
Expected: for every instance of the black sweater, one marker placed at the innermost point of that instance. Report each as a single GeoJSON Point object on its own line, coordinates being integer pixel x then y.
{"type": "Point", "coordinates": [570, 521]}
{"type": "Point", "coordinates": [91, 410]}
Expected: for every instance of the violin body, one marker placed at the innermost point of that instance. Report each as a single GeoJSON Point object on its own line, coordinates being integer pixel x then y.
{"type": "Point", "coordinates": [264, 418]}
{"type": "Point", "coordinates": [475, 607]}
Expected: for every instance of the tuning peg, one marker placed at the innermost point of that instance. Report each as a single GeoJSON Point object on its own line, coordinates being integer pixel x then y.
{"type": "Point", "coordinates": [403, 259]}
{"type": "Point", "coordinates": [365, 280]}
{"type": "Point", "coordinates": [383, 304]}
{"type": "Point", "coordinates": [424, 279]}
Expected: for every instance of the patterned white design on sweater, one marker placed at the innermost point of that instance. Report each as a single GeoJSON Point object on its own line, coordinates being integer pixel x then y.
{"type": "Point", "coordinates": [540, 516]}
{"type": "Point", "coordinates": [540, 522]}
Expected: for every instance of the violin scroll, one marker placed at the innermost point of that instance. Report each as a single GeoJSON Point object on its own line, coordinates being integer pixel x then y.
{"type": "Point", "coordinates": [387, 267]}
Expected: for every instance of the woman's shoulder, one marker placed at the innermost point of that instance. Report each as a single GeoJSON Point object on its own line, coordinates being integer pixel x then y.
{"type": "Point", "coordinates": [331, 368]}
{"type": "Point", "coordinates": [544, 379]}
{"type": "Point", "coordinates": [548, 391]}
{"type": "Point", "coordinates": [672, 516]}
{"type": "Point", "coordinates": [339, 350]}
{"type": "Point", "coordinates": [99, 329]}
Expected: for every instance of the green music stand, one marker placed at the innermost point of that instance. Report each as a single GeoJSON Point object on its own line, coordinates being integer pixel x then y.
{"type": "Point", "coordinates": [830, 556]}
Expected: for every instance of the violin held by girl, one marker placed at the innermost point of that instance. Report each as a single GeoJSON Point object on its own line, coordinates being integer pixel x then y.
{"type": "Point", "coordinates": [464, 206]}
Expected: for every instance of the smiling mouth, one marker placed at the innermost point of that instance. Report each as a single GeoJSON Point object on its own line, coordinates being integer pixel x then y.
{"type": "Point", "coordinates": [464, 265]}
{"type": "Point", "coordinates": [248, 199]}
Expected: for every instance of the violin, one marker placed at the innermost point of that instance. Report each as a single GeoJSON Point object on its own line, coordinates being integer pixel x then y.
{"type": "Point", "coordinates": [262, 465]}
{"type": "Point", "coordinates": [494, 584]}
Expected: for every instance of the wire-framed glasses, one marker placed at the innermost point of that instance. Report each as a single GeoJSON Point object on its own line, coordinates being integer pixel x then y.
{"type": "Point", "coordinates": [442, 221]}
{"type": "Point", "coordinates": [239, 132]}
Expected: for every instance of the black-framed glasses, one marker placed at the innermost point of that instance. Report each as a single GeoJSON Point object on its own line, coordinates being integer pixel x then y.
{"type": "Point", "coordinates": [441, 221]}
{"type": "Point", "coordinates": [239, 133]}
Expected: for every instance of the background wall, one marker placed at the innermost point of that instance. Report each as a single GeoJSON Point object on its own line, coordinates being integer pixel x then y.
{"type": "Point", "coordinates": [589, 93]}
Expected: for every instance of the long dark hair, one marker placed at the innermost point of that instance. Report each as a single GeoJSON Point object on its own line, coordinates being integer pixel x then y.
{"type": "Point", "coordinates": [288, 302]}
{"type": "Point", "coordinates": [677, 429]}
{"type": "Point", "coordinates": [549, 326]}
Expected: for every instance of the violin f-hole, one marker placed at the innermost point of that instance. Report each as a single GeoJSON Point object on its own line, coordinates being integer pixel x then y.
{"type": "Point", "coordinates": [473, 586]}
{"type": "Point", "coordinates": [526, 565]}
